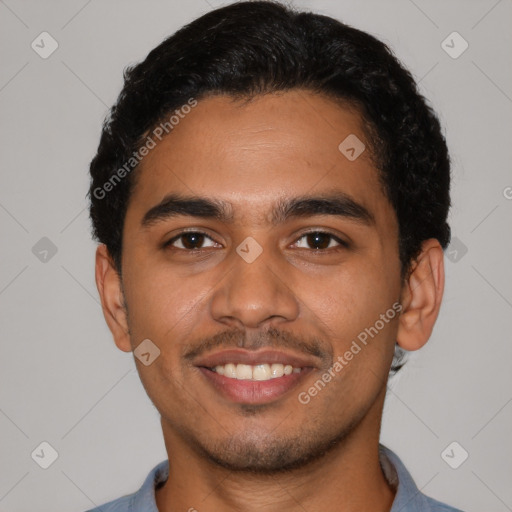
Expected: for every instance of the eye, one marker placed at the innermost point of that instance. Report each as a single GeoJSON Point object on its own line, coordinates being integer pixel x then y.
{"type": "Point", "coordinates": [190, 241]}
{"type": "Point", "coordinates": [319, 240]}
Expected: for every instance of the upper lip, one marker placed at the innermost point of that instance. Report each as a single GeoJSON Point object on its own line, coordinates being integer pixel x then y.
{"type": "Point", "coordinates": [240, 356]}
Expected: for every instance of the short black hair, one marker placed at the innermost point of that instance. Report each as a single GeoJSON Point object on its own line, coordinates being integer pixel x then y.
{"type": "Point", "coordinates": [251, 48]}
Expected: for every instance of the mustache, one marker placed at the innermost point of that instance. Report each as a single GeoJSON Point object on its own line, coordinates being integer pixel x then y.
{"type": "Point", "coordinates": [270, 338]}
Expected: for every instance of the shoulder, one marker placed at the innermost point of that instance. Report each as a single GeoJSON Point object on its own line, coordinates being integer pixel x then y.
{"type": "Point", "coordinates": [144, 499]}
{"type": "Point", "coordinates": [408, 497]}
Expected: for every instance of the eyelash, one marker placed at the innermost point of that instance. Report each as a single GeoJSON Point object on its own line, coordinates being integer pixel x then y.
{"type": "Point", "coordinates": [342, 243]}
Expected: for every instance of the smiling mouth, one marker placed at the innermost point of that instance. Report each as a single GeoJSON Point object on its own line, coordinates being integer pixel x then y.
{"type": "Point", "coordinates": [255, 385]}
{"type": "Point", "coordinates": [258, 372]}
{"type": "Point", "coordinates": [255, 377]}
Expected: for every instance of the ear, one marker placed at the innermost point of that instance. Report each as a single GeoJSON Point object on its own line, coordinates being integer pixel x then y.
{"type": "Point", "coordinates": [421, 297]}
{"type": "Point", "coordinates": [109, 287]}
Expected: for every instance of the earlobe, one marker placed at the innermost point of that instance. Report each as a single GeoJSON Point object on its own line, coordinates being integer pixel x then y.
{"type": "Point", "coordinates": [421, 297]}
{"type": "Point", "coordinates": [109, 287]}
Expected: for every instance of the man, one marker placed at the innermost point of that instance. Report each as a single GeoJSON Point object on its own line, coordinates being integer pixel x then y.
{"type": "Point", "coordinates": [271, 194]}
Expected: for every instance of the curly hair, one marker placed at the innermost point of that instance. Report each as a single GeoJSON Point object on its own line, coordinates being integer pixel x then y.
{"type": "Point", "coordinates": [257, 47]}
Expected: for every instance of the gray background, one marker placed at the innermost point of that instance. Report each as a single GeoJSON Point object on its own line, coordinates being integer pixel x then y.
{"type": "Point", "coordinates": [63, 381]}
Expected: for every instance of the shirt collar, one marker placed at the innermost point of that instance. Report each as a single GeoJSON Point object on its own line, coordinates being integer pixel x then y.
{"type": "Point", "coordinates": [408, 496]}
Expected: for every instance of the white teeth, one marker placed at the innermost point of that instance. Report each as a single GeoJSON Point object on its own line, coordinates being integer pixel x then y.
{"type": "Point", "coordinates": [277, 370]}
{"type": "Point", "coordinates": [230, 370]}
{"type": "Point", "coordinates": [256, 372]}
{"type": "Point", "coordinates": [243, 371]}
{"type": "Point", "coordinates": [261, 372]}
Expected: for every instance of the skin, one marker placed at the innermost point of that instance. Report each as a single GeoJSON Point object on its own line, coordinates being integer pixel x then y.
{"type": "Point", "coordinates": [275, 147]}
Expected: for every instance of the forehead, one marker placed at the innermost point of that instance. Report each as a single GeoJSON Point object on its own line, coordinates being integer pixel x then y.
{"type": "Point", "coordinates": [254, 153]}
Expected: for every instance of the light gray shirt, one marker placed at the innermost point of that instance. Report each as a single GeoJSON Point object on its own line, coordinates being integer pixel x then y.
{"type": "Point", "coordinates": [407, 498]}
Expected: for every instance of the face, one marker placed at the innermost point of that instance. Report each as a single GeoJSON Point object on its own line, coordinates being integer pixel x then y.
{"type": "Point", "coordinates": [255, 254]}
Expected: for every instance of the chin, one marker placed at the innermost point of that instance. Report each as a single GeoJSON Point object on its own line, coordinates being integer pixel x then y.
{"type": "Point", "coordinates": [271, 456]}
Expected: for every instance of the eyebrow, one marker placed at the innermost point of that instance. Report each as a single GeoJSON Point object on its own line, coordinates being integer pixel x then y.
{"type": "Point", "coordinates": [337, 204]}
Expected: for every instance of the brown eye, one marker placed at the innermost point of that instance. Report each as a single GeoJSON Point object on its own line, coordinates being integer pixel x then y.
{"type": "Point", "coordinates": [190, 240]}
{"type": "Point", "coordinates": [319, 240]}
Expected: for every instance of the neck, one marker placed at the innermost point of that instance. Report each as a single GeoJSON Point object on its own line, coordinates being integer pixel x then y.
{"type": "Point", "coordinates": [346, 479]}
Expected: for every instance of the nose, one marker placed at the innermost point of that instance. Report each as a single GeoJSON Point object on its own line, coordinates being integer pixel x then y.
{"type": "Point", "coordinates": [253, 294]}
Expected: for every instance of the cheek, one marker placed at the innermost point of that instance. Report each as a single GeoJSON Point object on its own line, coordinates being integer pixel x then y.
{"type": "Point", "coordinates": [161, 304]}
{"type": "Point", "coordinates": [350, 298]}
{"type": "Point", "coordinates": [354, 310]}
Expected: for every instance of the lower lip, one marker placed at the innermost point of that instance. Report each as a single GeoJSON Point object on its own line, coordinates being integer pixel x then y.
{"type": "Point", "coordinates": [254, 391]}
